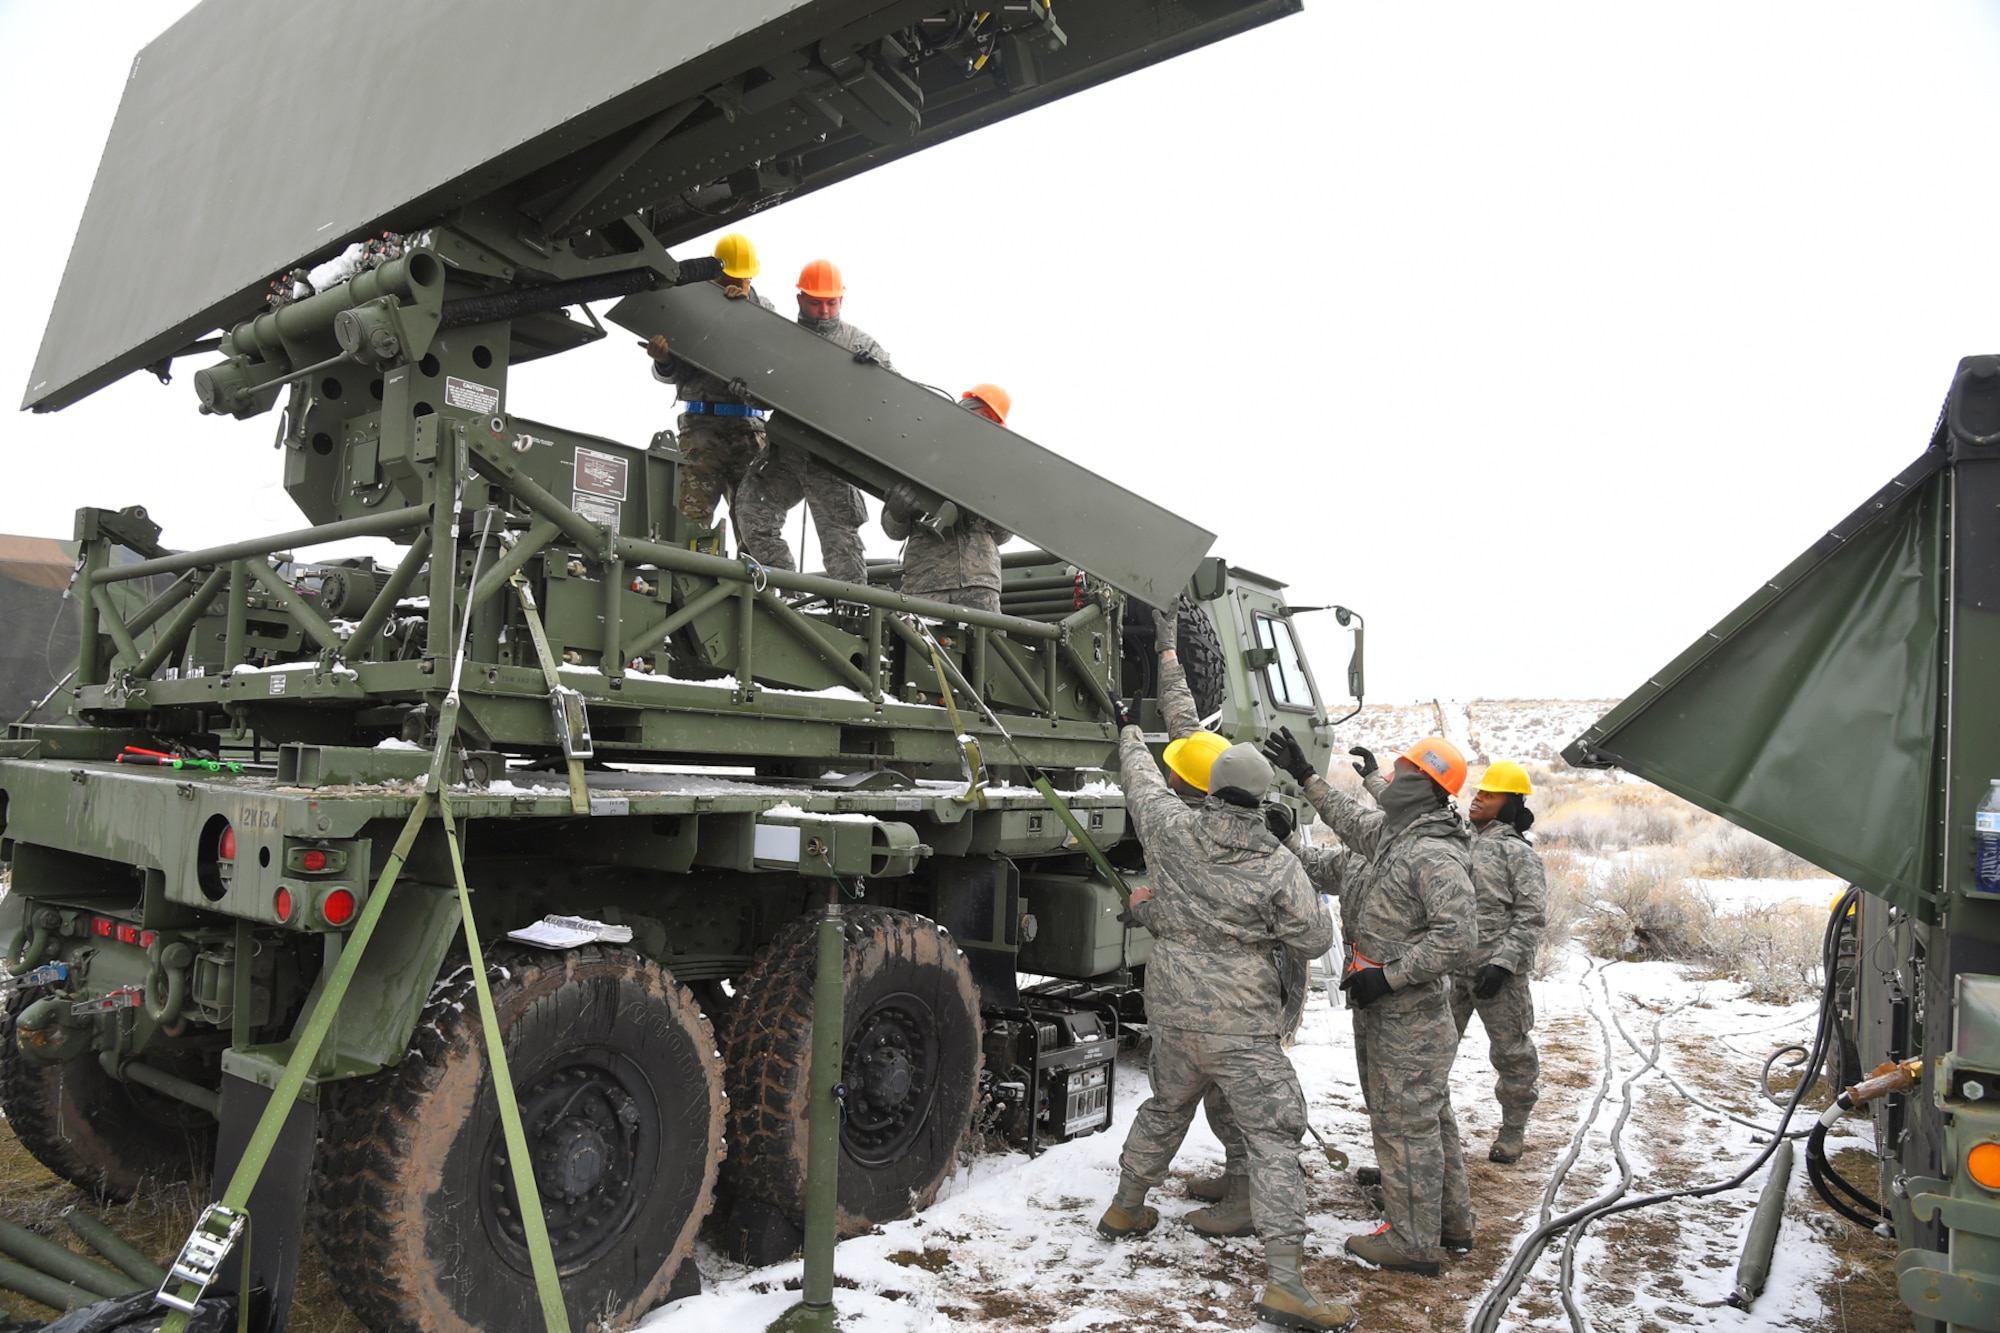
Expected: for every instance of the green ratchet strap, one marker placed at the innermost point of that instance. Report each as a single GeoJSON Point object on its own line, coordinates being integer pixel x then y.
{"type": "Point", "coordinates": [1035, 774]}
{"type": "Point", "coordinates": [554, 1314]}
{"type": "Point", "coordinates": [968, 745]}
{"type": "Point", "coordinates": [305, 1051]}
{"type": "Point", "coordinates": [579, 794]}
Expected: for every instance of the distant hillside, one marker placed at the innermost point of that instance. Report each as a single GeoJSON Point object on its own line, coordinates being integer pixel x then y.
{"type": "Point", "coordinates": [1527, 730]}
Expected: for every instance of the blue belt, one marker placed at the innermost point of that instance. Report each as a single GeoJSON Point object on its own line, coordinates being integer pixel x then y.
{"type": "Point", "coordinates": [722, 410]}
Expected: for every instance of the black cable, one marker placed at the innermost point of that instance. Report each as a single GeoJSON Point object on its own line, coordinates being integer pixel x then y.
{"type": "Point", "coordinates": [1487, 1318]}
{"type": "Point", "coordinates": [1817, 1168]}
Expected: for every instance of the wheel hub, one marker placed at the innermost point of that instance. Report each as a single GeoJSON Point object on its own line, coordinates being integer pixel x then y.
{"type": "Point", "coordinates": [890, 1068]}
{"type": "Point", "coordinates": [592, 1130]}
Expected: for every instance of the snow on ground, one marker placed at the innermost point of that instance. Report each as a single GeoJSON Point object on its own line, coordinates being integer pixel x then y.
{"type": "Point", "coordinates": [1011, 1243]}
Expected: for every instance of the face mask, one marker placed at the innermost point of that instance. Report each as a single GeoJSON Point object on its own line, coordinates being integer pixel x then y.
{"type": "Point", "coordinates": [1403, 800]}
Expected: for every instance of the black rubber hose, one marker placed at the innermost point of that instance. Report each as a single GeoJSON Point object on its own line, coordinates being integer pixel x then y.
{"type": "Point", "coordinates": [1863, 1210]}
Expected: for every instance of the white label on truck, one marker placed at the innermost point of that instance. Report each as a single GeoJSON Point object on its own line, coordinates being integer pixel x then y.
{"type": "Point", "coordinates": [277, 682]}
{"type": "Point", "coordinates": [610, 805]}
{"type": "Point", "coordinates": [603, 512]}
{"type": "Point", "coordinates": [1986, 821]}
{"type": "Point", "coordinates": [472, 397]}
{"type": "Point", "coordinates": [777, 842]}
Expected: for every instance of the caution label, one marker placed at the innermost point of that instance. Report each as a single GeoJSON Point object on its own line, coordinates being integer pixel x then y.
{"type": "Point", "coordinates": [472, 397]}
{"type": "Point", "coordinates": [605, 513]}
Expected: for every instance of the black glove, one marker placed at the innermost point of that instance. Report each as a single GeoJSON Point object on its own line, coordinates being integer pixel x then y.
{"type": "Point", "coordinates": [1278, 819]}
{"type": "Point", "coordinates": [901, 501]}
{"type": "Point", "coordinates": [1166, 627]}
{"type": "Point", "coordinates": [1127, 715]}
{"type": "Point", "coordinates": [1365, 985]}
{"type": "Point", "coordinates": [1489, 981]}
{"type": "Point", "coordinates": [1282, 749]}
{"type": "Point", "coordinates": [1367, 758]}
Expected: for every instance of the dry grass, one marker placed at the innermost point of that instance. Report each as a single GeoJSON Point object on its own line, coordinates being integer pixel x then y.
{"type": "Point", "coordinates": [157, 1223]}
{"type": "Point", "coordinates": [1626, 864]}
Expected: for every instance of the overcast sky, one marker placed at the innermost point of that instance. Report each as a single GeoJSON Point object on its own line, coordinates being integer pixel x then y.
{"type": "Point", "coordinates": [1538, 333]}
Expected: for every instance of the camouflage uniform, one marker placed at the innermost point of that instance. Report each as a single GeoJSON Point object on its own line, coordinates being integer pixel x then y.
{"type": "Point", "coordinates": [783, 477]}
{"type": "Point", "coordinates": [716, 452]}
{"type": "Point", "coordinates": [1224, 892]}
{"type": "Point", "coordinates": [1513, 896]}
{"type": "Point", "coordinates": [960, 565]}
{"type": "Point", "coordinates": [1406, 904]}
{"type": "Point", "coordinates": [1183, 719]}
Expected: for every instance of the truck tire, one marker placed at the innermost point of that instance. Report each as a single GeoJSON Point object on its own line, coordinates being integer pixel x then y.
{"type": "Point", "coordinates": [910, 1064]}
{"type": "Point", "coordinates": [620, 1093]}
{"type": "Point", "coordinates": [1197, 645]}
{"type": "Point", "coordinates": [109, 1139]}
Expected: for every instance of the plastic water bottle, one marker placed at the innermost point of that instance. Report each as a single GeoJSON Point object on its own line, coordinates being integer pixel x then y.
{"type": "Point", "coordinates": [1986, 823]}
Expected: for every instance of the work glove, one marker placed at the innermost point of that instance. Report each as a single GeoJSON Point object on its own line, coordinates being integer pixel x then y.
{"type": "Point", "coordinates": [1283, 750]}
{"type": "Point", "coordinates": [1166, 628]}
{"type": "Point", "coordinates": [1367, 764]}
{"type": "Point", "coordinates": [1127, 714]}
{"type": "Point", "coordinates": [1489, 981]}
{"type": "Point", "coordinates": [901, 502]}
{"type": "Point", "coordinates": [1365, 985]}
{"type": "Point", "coordinates": [1278, 819]}
{"type": "Point", "coordinates": [656, 347]}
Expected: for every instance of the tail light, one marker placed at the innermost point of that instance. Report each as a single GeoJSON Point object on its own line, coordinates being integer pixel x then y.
{"type": "Point", "coordinates": [283, 903]}
{"type": "Point", "coordinates": [225, 847]}
{"type": "Point", "coordinates": [338, 908]}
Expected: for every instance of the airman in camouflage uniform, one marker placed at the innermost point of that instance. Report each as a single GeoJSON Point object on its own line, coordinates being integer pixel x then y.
{"type": "Point", "coordinates": [961, 564]}
{"type": "Point", "coordinates": [1513, 897]}
{"type": "Point", "coordinates": [1224, 893]}
{"type": "Point", "coordinates": [721, 434]}
{"type": "Point", "coordinates": [783, 477]}
{"type": "Point", "coordinates": [1403, 877]}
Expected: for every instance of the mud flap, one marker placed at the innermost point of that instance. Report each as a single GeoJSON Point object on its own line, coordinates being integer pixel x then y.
{"type": "Point", "coordinates": [278, 1203]}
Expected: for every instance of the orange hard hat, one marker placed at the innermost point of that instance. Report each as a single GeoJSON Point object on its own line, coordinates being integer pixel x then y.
{"type": "Point", "coordinates": [820, 278]}
{"type": "Point", "coordinates": [995, 397]}
{"type": "Point", "coordinates": [1440, 759]}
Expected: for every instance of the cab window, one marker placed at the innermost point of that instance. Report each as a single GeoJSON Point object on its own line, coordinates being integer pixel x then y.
{"type": "Point", "coordinates": [1284, 674]}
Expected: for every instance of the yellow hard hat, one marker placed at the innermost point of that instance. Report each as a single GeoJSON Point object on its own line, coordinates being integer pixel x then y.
{"type": "Point", "coordinates": [738, 256]}
{"type": "Point", "coordinates": [1192, 756]}
{"type": "Point", "coordinates": [1506, 776]}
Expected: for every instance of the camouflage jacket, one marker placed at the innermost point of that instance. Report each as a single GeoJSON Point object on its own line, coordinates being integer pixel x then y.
{"type": "Point", "coordinates": [1406, 901]}
{"type": "Point", "coordinates": [1513, 898]}
{"type": "Point", "coordinates": [696, 385]}
{"type": "Point", "coordinates": [1224, 894]}
{"type": "Point", "coordinates": [1177, 701]}
{"type": "Point", "coordinates": [848, 336]}
{"type": "Point", "coordinates": [965, 555]}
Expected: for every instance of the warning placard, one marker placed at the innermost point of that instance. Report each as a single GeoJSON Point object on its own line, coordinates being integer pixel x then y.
{"type": "Point", "coordinates": [472, 397]}
{"type": "Point", "coordinates": [600, 474]}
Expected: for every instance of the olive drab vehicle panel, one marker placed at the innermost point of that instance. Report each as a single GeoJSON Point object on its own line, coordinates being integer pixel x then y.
{"type": "Point", "coordinates": [911, 431]}
{"type": "Point", "coordinates": [705, 110]}
{"type": "Point", "coordinates": [1809, 714]}
{"type": "Point", "coordinates": [1847, 712]}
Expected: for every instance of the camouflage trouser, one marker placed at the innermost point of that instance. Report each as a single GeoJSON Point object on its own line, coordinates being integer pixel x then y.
{"type": "Point", "coordinates": [1508, 1018]}
{"type": "Point", "coordinates": [1405, 1056]}
{"type": "Point", "coordinates": [975, 599]}
{"type": "Point", "coordinates": [716, 452]}
{"type": "Point", "coordinates": [774, 488]}
{"type": "Point", "coordinates": [1260, 1086]}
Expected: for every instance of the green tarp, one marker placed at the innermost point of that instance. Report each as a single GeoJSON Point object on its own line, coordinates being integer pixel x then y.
{"type": "Point", "coordinates": [1810, 715]}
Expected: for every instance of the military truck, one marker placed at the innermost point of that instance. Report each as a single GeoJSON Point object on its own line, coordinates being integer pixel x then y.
{"type": "Point", "coordinates": [654, 760]}
{"type": "Point", "coordinates": [1839, 712]}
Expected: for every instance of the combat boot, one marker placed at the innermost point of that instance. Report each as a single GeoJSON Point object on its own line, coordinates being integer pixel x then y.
{"type": "Point", "coordinates": [1366, 1176]}
{"type": "Point", "coordinates": [1384, 1249]}
{"type": "Point", "coordinates": [1510, 1144]}
{"type": "Point", "coordinates": [1128, 1216]}
{"type": "Point", "coordinates": [1209, 1189]}
{"type": "Point", "coordinates": [1231, 1214]}
{"type": "Point", "coordinates": [1288, 1302]}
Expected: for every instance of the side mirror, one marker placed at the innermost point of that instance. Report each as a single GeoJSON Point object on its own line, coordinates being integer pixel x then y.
{"type": "Point", "coordinates": [1346, 617]}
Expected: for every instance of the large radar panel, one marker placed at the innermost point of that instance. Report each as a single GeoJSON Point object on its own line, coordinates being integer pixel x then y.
{"type": "Point", "coordinates": [254, 138]}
